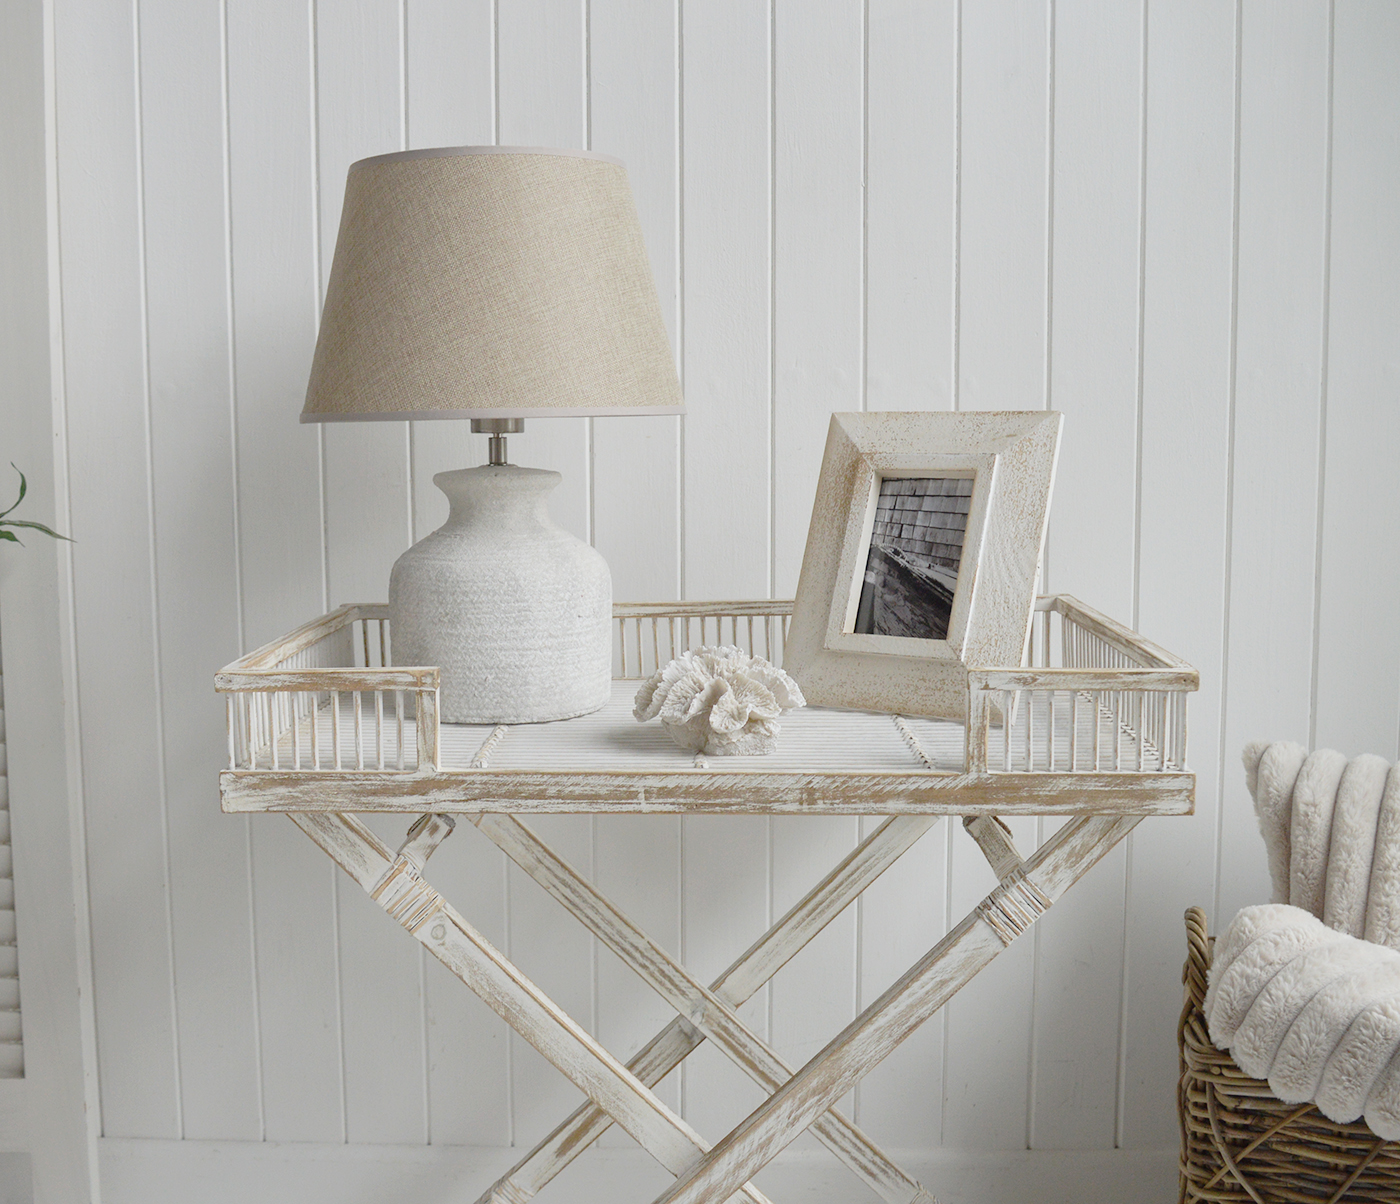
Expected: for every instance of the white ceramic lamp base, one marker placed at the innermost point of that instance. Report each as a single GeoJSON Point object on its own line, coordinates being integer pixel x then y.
{"type": "Point", "coordinates": [515, 611]}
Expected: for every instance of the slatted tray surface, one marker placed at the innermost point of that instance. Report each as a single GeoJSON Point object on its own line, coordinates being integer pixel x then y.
{"type": "Point", "coordinates": [812, 740]}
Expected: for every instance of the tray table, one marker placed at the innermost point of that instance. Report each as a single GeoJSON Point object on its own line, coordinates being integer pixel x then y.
{"type": "Point", "coordinates": [322, 725]}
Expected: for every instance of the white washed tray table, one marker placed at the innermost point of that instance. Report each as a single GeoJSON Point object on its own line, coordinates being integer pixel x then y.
{"type": "Point", "coordinates": [322, 725]}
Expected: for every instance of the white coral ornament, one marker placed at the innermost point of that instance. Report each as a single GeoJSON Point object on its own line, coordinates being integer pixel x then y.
{"type": "Point", "coordinates": [719, 701]}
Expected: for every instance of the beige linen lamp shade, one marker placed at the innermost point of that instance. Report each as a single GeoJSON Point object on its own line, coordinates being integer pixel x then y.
{"type": "Point", "coordinates": [490, 283]}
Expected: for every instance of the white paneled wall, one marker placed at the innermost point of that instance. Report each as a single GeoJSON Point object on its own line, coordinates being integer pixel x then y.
{"type": "Point", "coordinates": [1175, 221]}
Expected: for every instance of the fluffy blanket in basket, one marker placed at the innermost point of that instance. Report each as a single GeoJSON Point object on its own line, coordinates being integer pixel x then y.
{"type": "Point", "coordinates": [1305, 991]}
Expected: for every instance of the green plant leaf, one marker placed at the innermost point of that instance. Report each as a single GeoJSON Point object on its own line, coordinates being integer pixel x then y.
{"type": "Point", "coordinates": [10, 535]}
{"type": "Point", "coordinates": [22, 486]}
{"type": "Point", "coordinates": [24, 522]}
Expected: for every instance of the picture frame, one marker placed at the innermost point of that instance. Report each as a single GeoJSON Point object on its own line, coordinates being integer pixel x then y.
{"type": "Point", "coordinates": [922, 556]}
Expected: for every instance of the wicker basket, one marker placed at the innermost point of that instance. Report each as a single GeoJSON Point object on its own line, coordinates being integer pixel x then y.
{"type": "Point", "coordinates": [1239, 1143]}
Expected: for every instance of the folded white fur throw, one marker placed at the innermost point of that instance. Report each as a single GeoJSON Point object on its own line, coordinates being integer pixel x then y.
{"type": "Point", "coordinates": [1270, 771]}
{"type": "Point", "coordinates": [1331, 830]}
{"type": "Point", "coordinates": [1383, 902]}
{"type": "Point", "coordinates": [1310, 832]}
{"type": "Point", "coordinates": [1353, 844]}
{"type": "Point", "coordinates": [1313, 1010]}
{"type": "Point", "coordinates": [1259, 942]}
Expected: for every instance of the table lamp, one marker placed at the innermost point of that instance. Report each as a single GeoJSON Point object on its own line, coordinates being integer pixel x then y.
{"type": "Point", "coordinates": [495, 284]}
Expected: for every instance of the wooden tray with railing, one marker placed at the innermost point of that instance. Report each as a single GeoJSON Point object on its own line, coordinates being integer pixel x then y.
{"type": "Point", "coordinates": [323, 720]}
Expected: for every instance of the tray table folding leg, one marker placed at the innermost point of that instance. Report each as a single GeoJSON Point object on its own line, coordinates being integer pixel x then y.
{"type": "Point", "coordinates": [773, 950]}
{"type": "Point", "coordinates": [394, 882]}
{"type": "Point", "coordinates": [968, 948]}
{"type": "Point", "coordinates": [796, 1101]}
{"type": "Point", "coordinates": [704, 1008]}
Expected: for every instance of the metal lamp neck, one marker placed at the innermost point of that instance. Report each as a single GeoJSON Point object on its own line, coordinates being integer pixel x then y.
{"type": "Point", "coordinates": [498, 429]}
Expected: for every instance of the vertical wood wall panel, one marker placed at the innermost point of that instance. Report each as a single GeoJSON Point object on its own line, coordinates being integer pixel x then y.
{"type": "Point", "coordinates": [1358, 662]}
{"type": "Point", "coordinates": [726, 198]}
{"type": "Point", "coordinates": [273, 224]}
{"type": "Point", "coordinates": [105, 373]}
{"type": "Point", "coordinates": [1094, 297]}
{"type": "Point", "coordinates": [1003, 136]}
{"type": "Point", "coordinates": [818, 264]}
{"type": "Point", "coordinates": [276, 304]}
{"type": "Point", "coordinates": [541, 86]}
{"type": "Point", "coordinates": [900, 1104]}
{"type": "Point", "coordinates": [1277, 410]}
{"type": "Point", "coordinates": [725, 907]}
{"type": "Point", "coordinates": [812, 998]}
{"type": "Point", "coordinates": [1004, 160]}
{"type": "Point", "coordinates": [986, 1067]}
{"type": "Point", "coordinates": [1185, 444]}
{"type": "Point", "coordinates": [638, 860]}
{"type": "Point", "coordinates": [450, 78]}
{"type": "Point", "coordinates": [468, 1066]}
{"type": "Point", "coordinates": [885, 205]}
{"type": "Point", "coordinates": [546, 943]}
{"type": "Point", "coordinates": [911, 130]}
{"type": "Point", "coordinates": [187, 283]}
{"type": "Point", "coordinates": [632, 105]}
{"type": "Point", "coordinates": [818, 96]}
{"type": "Point", "coordinates": [359, 112]}
{"type": "Point", "coordinates": [543, 93]}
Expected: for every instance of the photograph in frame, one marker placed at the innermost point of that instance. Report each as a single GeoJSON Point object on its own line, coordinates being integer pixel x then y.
{"type": "Point", "coordinates": [911, 569]}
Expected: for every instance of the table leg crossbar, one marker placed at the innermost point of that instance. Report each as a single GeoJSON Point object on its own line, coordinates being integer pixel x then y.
{"type": "Point", "coordinates": [797, 1099]}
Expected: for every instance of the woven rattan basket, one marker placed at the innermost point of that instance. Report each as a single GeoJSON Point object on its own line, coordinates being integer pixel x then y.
{"type": "Point", "coordinates": [1240, 1143]}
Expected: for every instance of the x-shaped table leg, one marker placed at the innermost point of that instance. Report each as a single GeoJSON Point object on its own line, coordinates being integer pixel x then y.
{"type": "Point", "coordinates": [1016, 904]}
{"type": "Point", "coordinates": [806, 1098]}
{"type": "Point", "coordinates": [769, 954]}
{"type": "Point", "coordinates": [704, 1008]}
{"type": "Point", "coordinates": [394, 882]}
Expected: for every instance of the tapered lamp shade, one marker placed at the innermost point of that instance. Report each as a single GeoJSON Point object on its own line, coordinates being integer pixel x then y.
{"type": "Point", "coordinates": [490, 282]}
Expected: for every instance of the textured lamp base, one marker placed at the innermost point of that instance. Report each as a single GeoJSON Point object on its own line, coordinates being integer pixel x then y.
{"type": "Point", "coordinates": [515, 611]}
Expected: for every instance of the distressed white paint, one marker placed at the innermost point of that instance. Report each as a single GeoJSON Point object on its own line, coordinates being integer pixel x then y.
{"type": "Point", "coordinates": [1215, 319]}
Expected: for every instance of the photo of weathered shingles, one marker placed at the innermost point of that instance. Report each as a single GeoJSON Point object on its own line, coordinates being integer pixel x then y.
{"type": "Point", "coordinates": [915, 550]}
{"type": "Point", "coordinates": [925, 518]}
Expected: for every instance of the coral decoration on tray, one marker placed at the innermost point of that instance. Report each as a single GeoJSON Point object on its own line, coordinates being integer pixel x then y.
{"type": "Point", "coordinates": [719, 701]}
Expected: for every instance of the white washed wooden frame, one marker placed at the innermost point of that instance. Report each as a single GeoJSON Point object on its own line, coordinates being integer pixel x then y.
{"type": "Point", "coordinates": [1092, 726]}
{"type": "Point", "coordinates": [1011, 458]}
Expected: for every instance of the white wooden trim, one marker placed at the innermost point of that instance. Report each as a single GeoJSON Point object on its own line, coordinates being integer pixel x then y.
{"type": "Point", "coordinates": [235, 1172]}
{"type": "Point", "coordinates": [57, 1120]}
